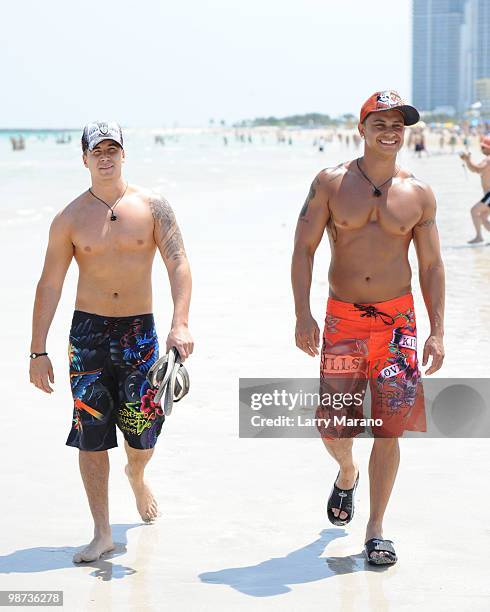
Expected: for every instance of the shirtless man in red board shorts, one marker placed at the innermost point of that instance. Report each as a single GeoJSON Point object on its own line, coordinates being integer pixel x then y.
{"type": "Point", "coordinates": [372, 209]}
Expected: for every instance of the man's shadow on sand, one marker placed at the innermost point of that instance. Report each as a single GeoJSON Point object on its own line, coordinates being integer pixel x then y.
{"type": "Point", "coordinates": [274, 576]}
{"type": "Point", "coordinates": [45, 558]}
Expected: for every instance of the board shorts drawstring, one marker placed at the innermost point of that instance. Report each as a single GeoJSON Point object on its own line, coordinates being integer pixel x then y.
{"type": "Point", "coordinates": [372, 311]}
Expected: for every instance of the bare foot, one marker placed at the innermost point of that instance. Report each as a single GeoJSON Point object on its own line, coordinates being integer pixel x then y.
{"type": "Point", "coordinates": [346, 481]}
{"type": "Point", "coordinates": [97, 547]}
{"type": "Point", "coordinates": [475, 240]}
{"type": "Point", "coordinates": [145, 502]}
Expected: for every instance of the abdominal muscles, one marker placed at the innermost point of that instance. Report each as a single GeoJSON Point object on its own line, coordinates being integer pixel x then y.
{"type": "Point", "coordinates": [369, 266]}
{"type": "Point", "coordinates": [115, 286]}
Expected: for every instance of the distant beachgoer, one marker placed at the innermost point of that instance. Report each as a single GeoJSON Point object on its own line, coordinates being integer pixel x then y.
{"type": "Point", "coordinates": [225, 141]}
{"type": "Point", "coordinates": [357, 140]}
{"type": "Point", "coordinates": [371, 209]}
{"type": "Point", "coordinates": [321, 144]}
{"type": "Point", "coordinates": [18, 144]}
{"type": "Point", "coordinates": [452, 141]}
{"type": "Point", "coordinates": [347, 140]}
{"type": "Point", "coordinates": [442, 141]}
{"type": "Point", "coordinates": [419, 143]}
{"type": "Point", "coordinates": [481, 210]}
{"type": "Point", "coordinates": [409, 139]}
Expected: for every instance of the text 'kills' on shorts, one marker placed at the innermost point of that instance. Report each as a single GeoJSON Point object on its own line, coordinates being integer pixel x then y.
{"type": "Point", "coordinates": [109, 359]}
{"type": "Point", "coordinates": [375, 343]}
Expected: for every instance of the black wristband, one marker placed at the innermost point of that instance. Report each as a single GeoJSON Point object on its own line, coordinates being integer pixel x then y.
{"type": "Point", "coordinates": [35, 355]}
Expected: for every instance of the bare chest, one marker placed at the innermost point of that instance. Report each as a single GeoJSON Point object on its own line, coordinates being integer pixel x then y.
{"type": "Point", "coordinates": [396, 211]}
{"type": "Point", "coordinates": [94, 234]}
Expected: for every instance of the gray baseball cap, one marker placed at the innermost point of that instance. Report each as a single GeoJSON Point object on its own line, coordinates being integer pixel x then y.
{"type": "Point", "coordinates": [97, 131]}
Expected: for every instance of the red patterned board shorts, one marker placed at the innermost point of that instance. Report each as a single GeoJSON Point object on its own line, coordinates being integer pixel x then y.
{"type": "Point", "coordinates": [376, 343]}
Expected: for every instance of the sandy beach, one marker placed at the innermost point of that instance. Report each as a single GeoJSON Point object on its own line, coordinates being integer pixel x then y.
{"type": "Point", "coordinates": [244, 523]}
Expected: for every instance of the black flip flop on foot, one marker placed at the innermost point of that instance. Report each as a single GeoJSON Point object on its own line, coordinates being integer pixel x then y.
{"type": "Point", "coordinates": [379, 545]}
{"type": "Point", "coordinates": [343, 499]}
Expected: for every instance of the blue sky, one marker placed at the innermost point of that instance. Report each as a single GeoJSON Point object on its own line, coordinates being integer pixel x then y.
{"type": "Point", "coordinates": [157, 63]}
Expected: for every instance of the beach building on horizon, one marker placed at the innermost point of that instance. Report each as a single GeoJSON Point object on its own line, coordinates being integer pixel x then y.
{"type": "Point", "coordinates": [481, 82]}
{"type": "Point", "coordinates": [483, 96]}
{"type": "Point", "coordinates": [450, 53]}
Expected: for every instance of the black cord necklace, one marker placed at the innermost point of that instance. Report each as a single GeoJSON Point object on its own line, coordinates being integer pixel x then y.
{"type": "Point", "coordinates": [111, 208]}
{"type": "Point", "coordinates": [376, 190]}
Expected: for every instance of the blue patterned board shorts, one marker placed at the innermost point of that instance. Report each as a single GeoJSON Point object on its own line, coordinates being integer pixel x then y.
{"type": "Point", "coordinates": [109, 359]}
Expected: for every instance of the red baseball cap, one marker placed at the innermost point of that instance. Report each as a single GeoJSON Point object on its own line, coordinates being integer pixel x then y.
{"type": "Point", "coordinates": [389, 100]}
{"type": "Point", "coordinates": [485, 141]}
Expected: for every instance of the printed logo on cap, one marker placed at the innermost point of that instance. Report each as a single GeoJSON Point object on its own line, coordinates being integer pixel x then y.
{"type": "Point", "coordinates": [388, 99]}
{"type": "Point", "coordinates": [97, 131]}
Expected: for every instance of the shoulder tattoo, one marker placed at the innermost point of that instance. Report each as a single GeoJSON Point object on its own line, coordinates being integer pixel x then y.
{"type": "Point", "coordinates": [167, 233]}
{"type": "Point", "coordinates": [309, 197]}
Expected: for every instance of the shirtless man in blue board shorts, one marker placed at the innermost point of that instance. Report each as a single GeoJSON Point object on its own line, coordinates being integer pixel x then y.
{"type": "Point", "coordinates": [112, 230]}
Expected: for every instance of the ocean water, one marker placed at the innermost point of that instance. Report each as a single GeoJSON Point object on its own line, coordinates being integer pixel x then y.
{"type": "Point", "coordinates": [237, 206]}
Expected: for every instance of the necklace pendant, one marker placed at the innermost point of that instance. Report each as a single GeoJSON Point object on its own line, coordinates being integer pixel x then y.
{"type": "Point", "coordinates": [113, 217]}
{"type": "Point", "coordinates": [377, 193]}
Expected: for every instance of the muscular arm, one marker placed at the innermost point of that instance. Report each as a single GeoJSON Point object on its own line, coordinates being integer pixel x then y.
{"type": "Point", "coordinates": [478, 168]}
{"type": "Point", "coordinates": [431, 276]}
{"type": "Point", "coordinates": [48, 292]}
{"type": "Point", "coordinates": [171, 246]}
{"type": "Point", "coordinates": [57, 261]}
{"type": "Point", "coordinates": [312, 220]}
{"type": "Point", "coordinates": [311, 224]}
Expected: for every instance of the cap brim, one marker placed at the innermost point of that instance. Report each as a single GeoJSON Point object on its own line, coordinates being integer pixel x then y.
{"type": "Point", "coordinates": [410, 114]}
{"type": "Point", "coordinates": [98, 140]}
